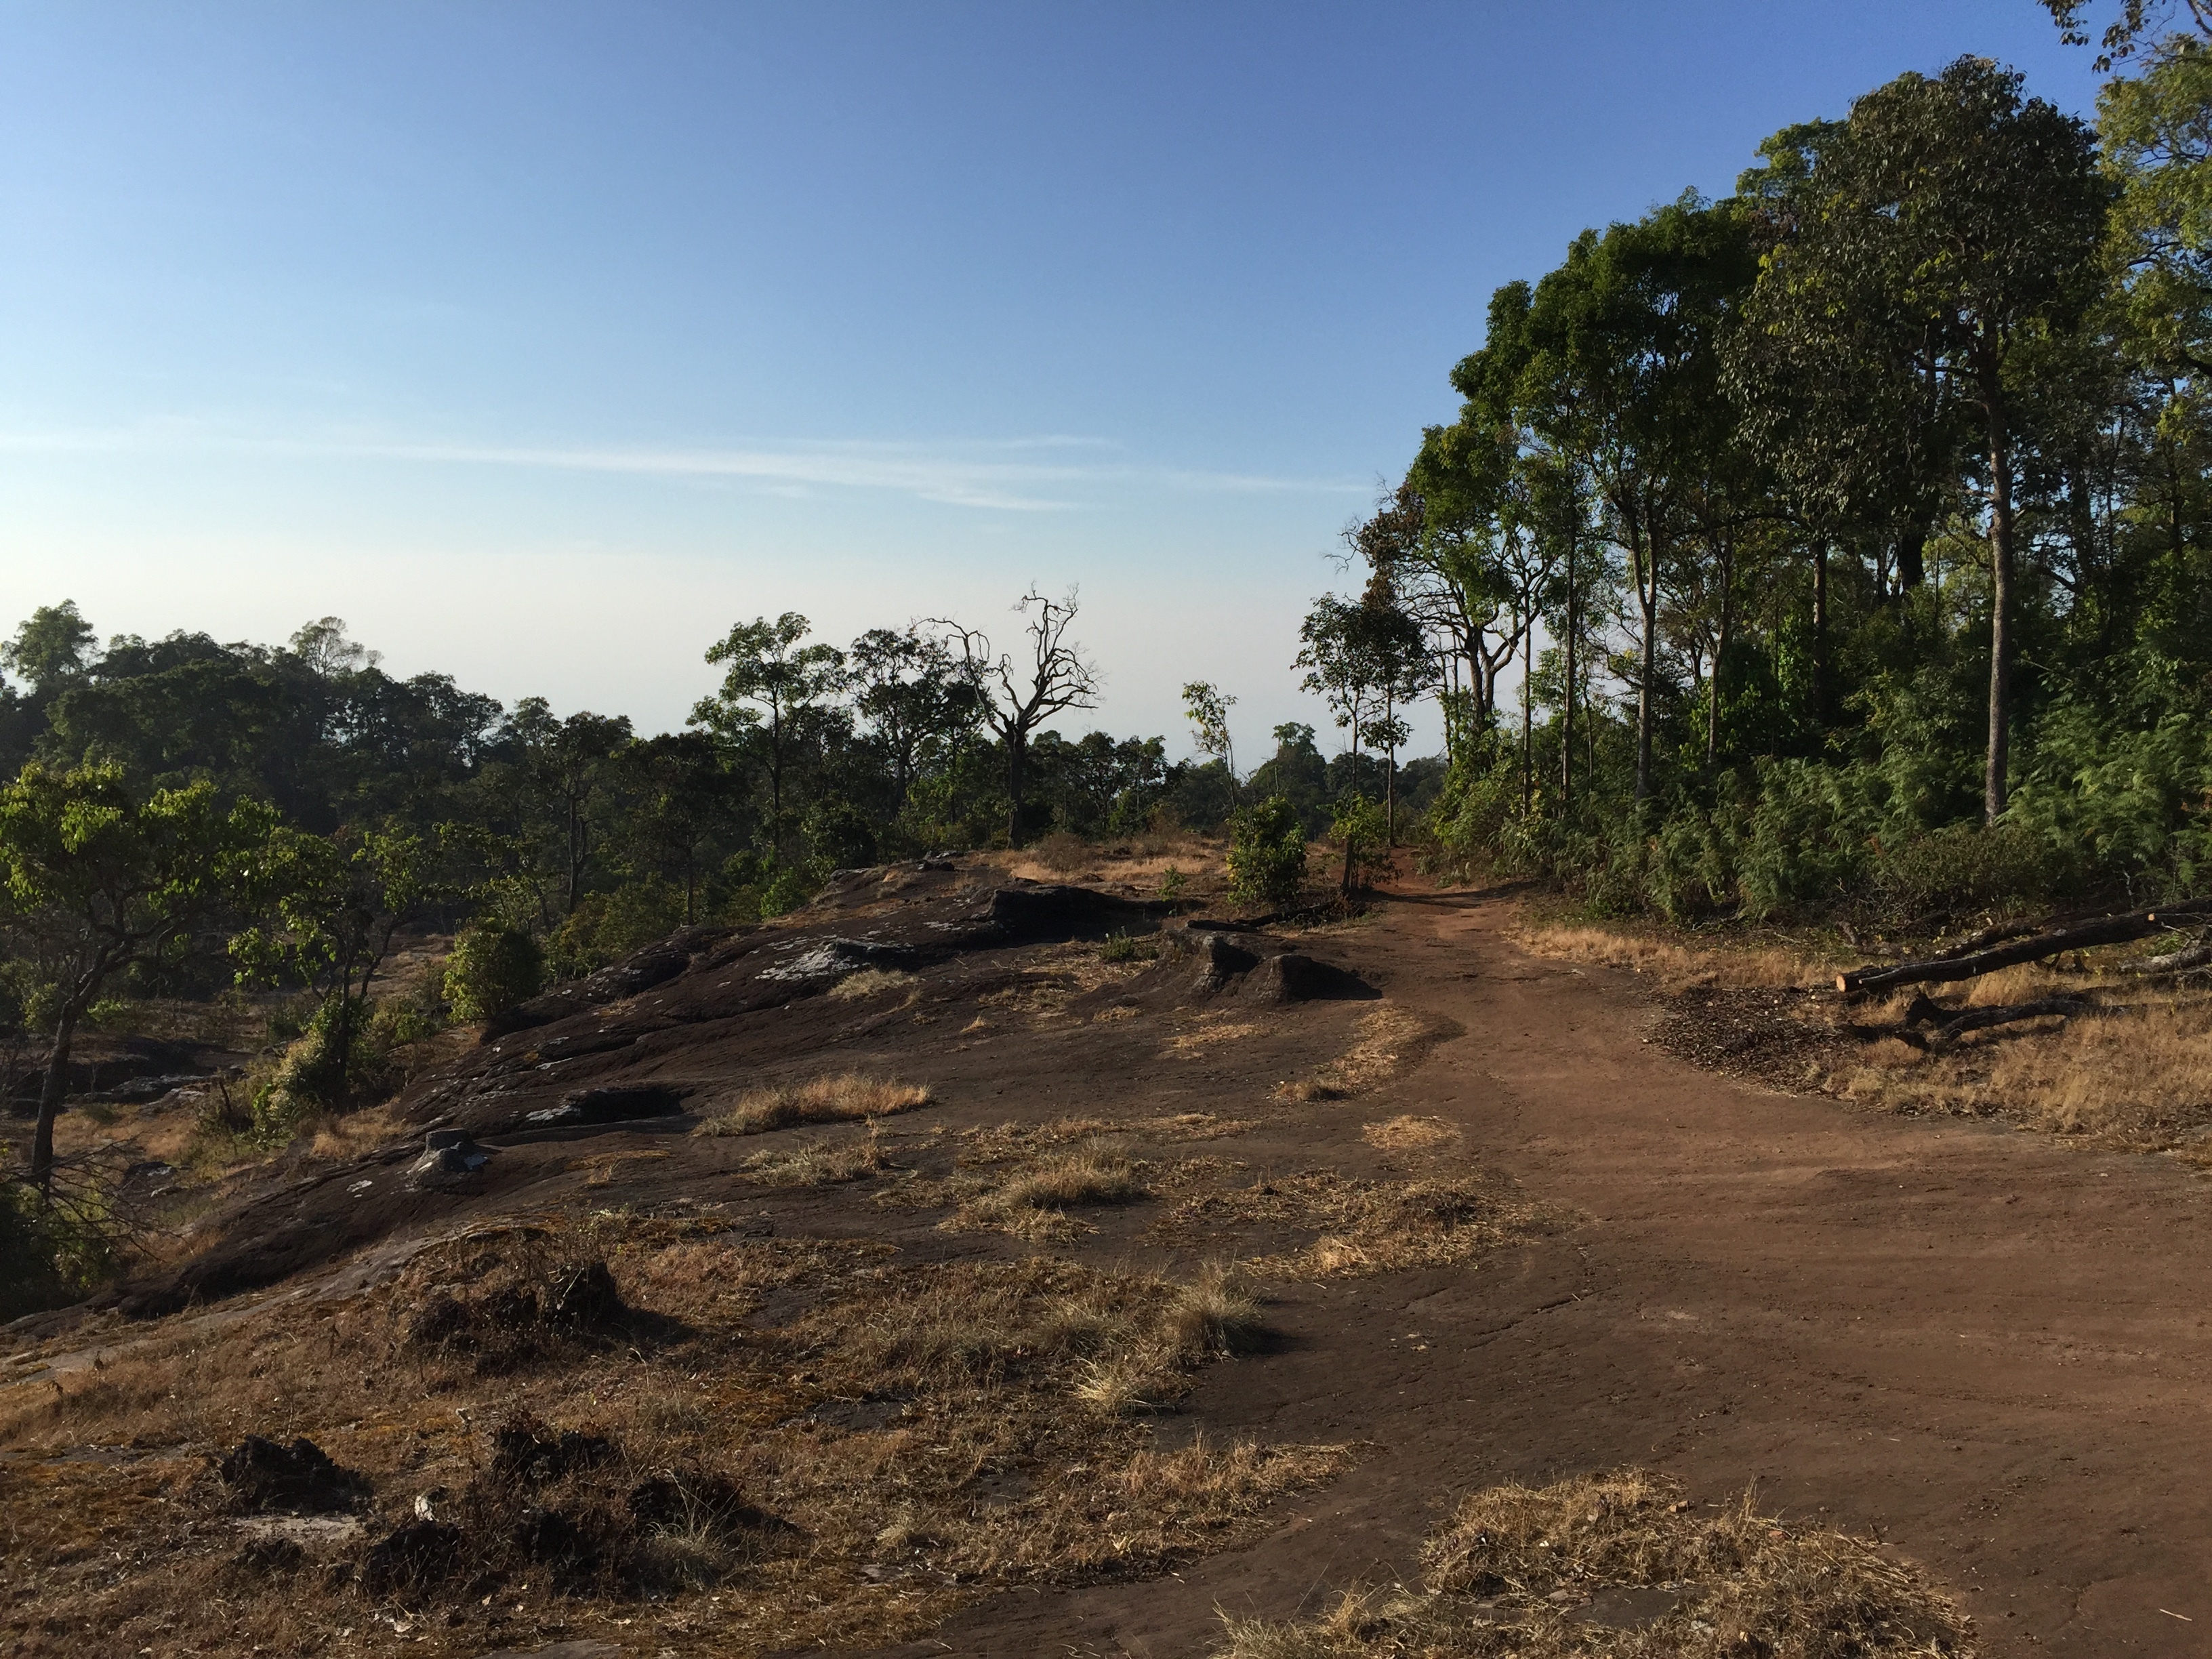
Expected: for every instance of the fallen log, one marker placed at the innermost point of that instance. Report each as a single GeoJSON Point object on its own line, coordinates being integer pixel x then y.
{"type": "Point", "coordinates": [2104, 930]}
{"type": "Point", "coordinates": [1944, 1026]}
{"type": "Point", "coordinates": [1980, 1019]}
{"type": "Point", "coordinates": [2198, 955]}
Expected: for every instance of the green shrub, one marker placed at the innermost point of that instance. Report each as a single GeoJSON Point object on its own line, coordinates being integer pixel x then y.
{"type": "Point", "coordinates": [1120, 947]}
{"type": "Point", "coordinates": [1964, 868]}
{"type": "Point", "coordinates": [50, 1253]}
{"type": "Point", "coordinates": [113, 1014]}
{"type": "Point", "coordinates": [492, 969]}
{"type": "Point", "coordinates": [1266, 854]}
{"type": "Point", "coordinates": [788, 889]}
{"type": "Point", "coordinates": [321, 1072]}
{"type": "Point", "coordinates": [1473, 811]}
{"type": "Point", "coordinates": [839, 836]}
{"type": "Point", "coordinates": [605, 927]}
{"type": "Point", "coordinates": [1361, 829]}
{"type": "Point", "coordinates": [1810, 840]}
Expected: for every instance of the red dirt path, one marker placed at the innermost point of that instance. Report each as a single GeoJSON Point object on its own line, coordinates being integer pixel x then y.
{"type": "Point", "coordinates": [1983, 1345]}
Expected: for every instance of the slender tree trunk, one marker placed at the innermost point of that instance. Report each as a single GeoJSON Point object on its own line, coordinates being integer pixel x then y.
{"type": "Point", "coordinates": [575, 848]}
{"type": "Point", "coordinates": [50, 1099]}
{"type": "Point", "coordinates": [775, 780]}
{"type": "Point", "coordinates": [1820, 633]}
{"type": "Point", "coordinates": [1993, 775]}
{"type": "Point", "coordinates": [1017, 756]}
{"type": "Point", "coordinates": [1527, 729]}
{"type": "Point", "coordinates": [1721, 639]}
{"type": "Point", "coordinates": [1647, 601]}
{"type": "Point", "coordinates": [1567, 707]}
{"type": "Point", "coordinates": [1390, 796]}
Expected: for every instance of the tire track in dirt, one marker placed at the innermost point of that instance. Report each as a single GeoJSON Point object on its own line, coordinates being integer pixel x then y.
{"type": "Point", "coordinates": [1983, 1345]}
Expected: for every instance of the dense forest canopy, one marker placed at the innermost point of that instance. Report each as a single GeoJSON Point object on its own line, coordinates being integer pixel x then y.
{"type": "Point", "coordinates": [1850, 532]}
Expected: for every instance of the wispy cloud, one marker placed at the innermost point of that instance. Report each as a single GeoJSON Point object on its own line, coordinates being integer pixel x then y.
{"type": "Point", "coordinates": [971, 473]}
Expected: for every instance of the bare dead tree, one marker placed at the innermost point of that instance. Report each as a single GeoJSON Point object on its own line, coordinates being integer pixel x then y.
{"type": "Point", "coordinates": [1016, 697]}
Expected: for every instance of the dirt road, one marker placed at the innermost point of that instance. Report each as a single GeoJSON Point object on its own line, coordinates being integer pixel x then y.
{"type": "Point", "coordinates": [1984, 1346]}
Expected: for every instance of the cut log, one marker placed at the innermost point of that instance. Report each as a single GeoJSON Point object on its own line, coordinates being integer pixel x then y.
{"type": "Point", "coordinates": [2104, 930]}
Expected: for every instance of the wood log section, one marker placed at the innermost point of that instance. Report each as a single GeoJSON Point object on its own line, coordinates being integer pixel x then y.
{"type": "Point", "coordinates": [2198, 955]}
{"type": "Point", "coordinates": [2121, 929]}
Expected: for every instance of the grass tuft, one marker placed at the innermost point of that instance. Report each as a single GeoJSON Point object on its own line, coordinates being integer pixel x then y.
{"type": "Point", "coordinates": [871, 981]}
{"type": "Point", "coordinates": [843, 1097]}
{"type": "Point", "coordinates": [821, 1163]}
{"type": "Point", "coordinates": [1510, 1572]}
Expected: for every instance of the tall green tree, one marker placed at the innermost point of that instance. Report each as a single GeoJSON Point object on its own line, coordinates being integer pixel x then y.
{"type": "Point", "coordinates": [331, 906]}
{"type": "Point", "coordinates": [54, 646]}
{"type": "Point", "coordinates": [106, 879]}
{"type": "Point", "coordinates": [676, 795]}
{"type": "Point", "coordinates": [1969, 217]}
{"type": "Point", "coordinates": [908, 691]}
{"type": "Point", "coordinates": [771, 681]}
{"type": "Point", "coordinates": [1206, 706]}
{"type": "Point", "coordinates": [564, 765]}
{"type": "Point", "coordinates": [1622, 351]}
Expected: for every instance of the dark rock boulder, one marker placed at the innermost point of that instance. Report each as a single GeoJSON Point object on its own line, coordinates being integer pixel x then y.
{"type": "Point", "coordinates": [598, 1106]}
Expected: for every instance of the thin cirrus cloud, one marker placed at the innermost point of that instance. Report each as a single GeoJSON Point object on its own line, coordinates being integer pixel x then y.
{"type": "Point", "coordinates": [993, 475]}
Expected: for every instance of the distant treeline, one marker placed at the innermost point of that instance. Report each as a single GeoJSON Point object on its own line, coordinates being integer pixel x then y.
{"type": "Point", "coordinates": [808, 758]}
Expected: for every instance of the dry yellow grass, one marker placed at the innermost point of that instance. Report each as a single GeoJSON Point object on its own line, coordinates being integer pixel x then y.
{"type": "Point", "coordinates": [1140, 862]}
{"type": "Point", "coordinates": [840, 1098]}
{"type": "Point", "coordinates": [912, 1423]}
{"type": "Point", "coordinates": [602, 1168]}
{"type": "Point", "coordinates": [1390, 1042]}
{"type": "Point", "coordinates": [1364, 1227]}
{"type": "Point", "coordinates": [1409, 1135]}
{"type": "Point", "coordinates": [352, 1134]}
{"type": "Point", "coordinates": [1032, 1201]}
{"type": "Point", "coordinates": [1511, 1572]}
{"type": "Point", "coordinates": [821, 1163]}
{"type": "Point", "coordinates": [871, 981]}
{"type": "Point", "coordinates": [1675, 967]}
{"type": "Point", "coordinates": [1211, 1033]}
{"type": "Point", "coordinates": [2141, 1079]}
{"type": "Point", "coordinates": [2138, 1076]}
{"type": "Point", "coordinates": [1023, 1178]}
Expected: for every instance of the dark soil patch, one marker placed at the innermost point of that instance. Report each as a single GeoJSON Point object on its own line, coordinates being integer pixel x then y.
{"type": "Point", "coordinates": [1777, 1037]}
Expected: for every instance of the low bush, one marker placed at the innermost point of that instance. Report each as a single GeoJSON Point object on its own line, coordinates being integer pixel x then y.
{"type": "Point", "coordinates": [1360, 830]}
{"type": "Point", "coordinates": [1266, 854]}
{"type": "Point", "coordinates": [492, 969]}
{"type": "Point", "coordinates": [51, 1253]}
{"type": "Point", "coordinates": [605, 927]}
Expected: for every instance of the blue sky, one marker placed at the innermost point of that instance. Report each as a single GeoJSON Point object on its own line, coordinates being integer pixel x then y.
{"type": "Point", "coordinates": [542, 342]}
